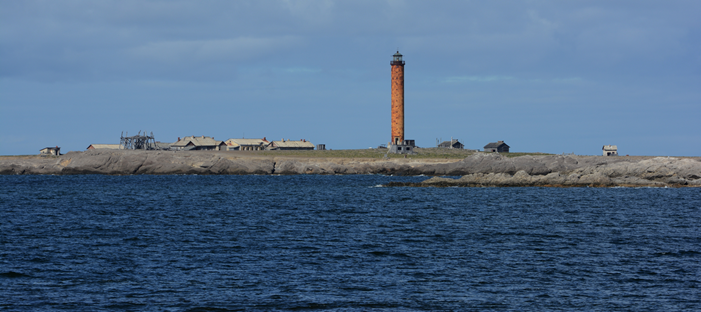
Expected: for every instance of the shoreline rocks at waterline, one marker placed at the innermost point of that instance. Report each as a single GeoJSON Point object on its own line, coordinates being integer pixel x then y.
{"type": "Point", "coordinates": [480, 169]}
{"type": "Point", "coordinates": [648, 172]}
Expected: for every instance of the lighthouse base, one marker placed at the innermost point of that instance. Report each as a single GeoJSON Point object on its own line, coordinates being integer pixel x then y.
{"type": "Point", "coordinates": [406, 147]}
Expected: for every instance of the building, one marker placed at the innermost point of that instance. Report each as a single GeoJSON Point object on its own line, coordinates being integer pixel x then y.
{"type": "Point", "coordinates": [397, 144]}
{"type": "Point", "coordinates": [105, 146]}
{"type": "Point", "coordinates": [198, 143]}
{"type": "Point", "coordinates": [499, 147]}
{"type": "Point", "coordinates": [321, 147]}
{"type": "Point", "coordinates": [291, 145]}
{"type": "Point", "coordinates": [246, 144]}
{"type": "Point", "coordinates": [162, 145]}
{"type": "Point", "coordinates": [397, 99]}
{"type": "Point", "coordinates": [451, 144]}
{"type": "Point", "coordinates": [610, 150]}
{"type": "Point", "coordinates": [406, 147]}
{"type": "Point", "coordinates": [50, 151]}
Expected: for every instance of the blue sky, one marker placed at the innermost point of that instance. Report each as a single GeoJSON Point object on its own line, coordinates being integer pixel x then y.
{"type": "Point", "coordinates": [544, 76]}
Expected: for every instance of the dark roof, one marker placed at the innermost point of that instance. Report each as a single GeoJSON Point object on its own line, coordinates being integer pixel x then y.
{"type": "Point", "coordinates": [495, 145]}
{"type": "Point", "coordinates": [397, 54]}
{"type": "Point", "coordinates": [448, 143]}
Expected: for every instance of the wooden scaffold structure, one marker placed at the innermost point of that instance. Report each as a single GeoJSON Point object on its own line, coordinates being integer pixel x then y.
{"type": "Point", "coordinates": [139, 141]}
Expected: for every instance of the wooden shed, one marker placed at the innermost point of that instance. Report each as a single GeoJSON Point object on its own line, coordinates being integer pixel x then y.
{"type": "Point", "coordinates": [610, 150]}
{"type": "Point", "coordinates": [50, 151]}
{"type": "Point", "coordinates": [498, 146]}
{"type": "Point", "coordinates": [451, 144]}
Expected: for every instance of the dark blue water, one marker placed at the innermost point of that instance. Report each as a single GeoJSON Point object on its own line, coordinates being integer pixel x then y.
{"type": "Point", "coordinates": [220, 243]}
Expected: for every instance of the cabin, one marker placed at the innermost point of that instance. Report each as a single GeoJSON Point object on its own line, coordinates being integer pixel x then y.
{"type": "Point", "coordinates": [198, 143]}
{"type": "Point", "coordinates": [610, 150]}
{"type": "Point", "coordinates": [105, 146]}
{"type": "Point", "coordinates": [498, 146]}
{"type": "Point", "coordinates": [451, 144]}
{"type": "Point", "coordinates": [246, 144]}
{"type": "Point", "coordinates": [50, 151]}
{"type": "Point", "coordinates": [284, 145]}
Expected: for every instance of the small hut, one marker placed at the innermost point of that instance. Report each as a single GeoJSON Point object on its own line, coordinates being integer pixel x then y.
{"type": "Point", "coordinates": [50, 151]}
{"type": "Point", "coordinates": [498, 146]}
{"type": "Point", "coordinates": [610, 150]}
{"type": "Point", "coordinates": [451, 144]}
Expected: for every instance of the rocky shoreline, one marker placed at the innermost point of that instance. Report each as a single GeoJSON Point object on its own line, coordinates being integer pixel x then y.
{"type": "Point", "coordinates": [478, 170]}
{"type": "Point", "coordinates": [127, 162]}
{"type": "Point", "coordinates": [573, 171]}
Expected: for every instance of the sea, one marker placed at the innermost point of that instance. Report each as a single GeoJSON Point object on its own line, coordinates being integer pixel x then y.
{"type": "Point", "coordinates": [342, 243]}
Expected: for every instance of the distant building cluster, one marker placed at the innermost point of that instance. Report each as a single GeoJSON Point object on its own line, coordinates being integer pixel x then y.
{"type": "Point", "coordinates": [397, 145]}
{"type": "Point", "coordinates": [205, 143]}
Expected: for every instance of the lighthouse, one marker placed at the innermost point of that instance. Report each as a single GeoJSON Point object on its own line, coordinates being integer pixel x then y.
{"type": "Point", "coordinates": [397, 143]}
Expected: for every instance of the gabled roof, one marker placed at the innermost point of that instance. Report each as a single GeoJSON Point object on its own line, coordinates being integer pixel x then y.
{"type": "Point", "coordinates": [610, 148]}
{"type": "Point", "coordinates": [105, 146]}
{"type": "Point", "coordinates": [495, 145]}
{"type": "Point", "coordinates": [292, 144]}
{"type": "Point", "coordinates": [197, 141]}
{"type": "Point", "coordinates": [238, 142]}
{"type": "Point", "coordinates": [448, 143]}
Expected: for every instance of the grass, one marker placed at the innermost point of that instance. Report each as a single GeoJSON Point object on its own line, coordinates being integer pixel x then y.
{"type": "Point", "coordinates": [510, 155]}
{"type": "Point", "coordinates": [421, 153]}
{"type": "Point", "coordinates": [27, 156]}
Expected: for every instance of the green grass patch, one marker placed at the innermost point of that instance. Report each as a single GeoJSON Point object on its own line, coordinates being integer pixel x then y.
{"type": "Point", "coordinates": [24, 156]}
{"type": "Point", "coordinates": [510, 155]}
{"type": "Point", "coordinates": [421, 153]}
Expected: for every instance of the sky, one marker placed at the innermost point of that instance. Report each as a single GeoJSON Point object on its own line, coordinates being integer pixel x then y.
{"type": "Point", "coordinates": [543, 76]}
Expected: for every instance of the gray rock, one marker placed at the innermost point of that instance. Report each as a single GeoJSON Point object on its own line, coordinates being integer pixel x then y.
{"type": "Point", "coordinates": [480, 169]}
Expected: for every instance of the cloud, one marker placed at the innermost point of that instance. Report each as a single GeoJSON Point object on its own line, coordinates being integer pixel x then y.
{"type": "Point", "coordinates": [482, 79]}
{"type": "Point", "coordinates": [234, 49]}
{"type": "Point", "coordinates": [301, 70]}
{"type": "Point", "coordinates": [85, 40]}
{"type": "Point", "coordinates": [460, 79]}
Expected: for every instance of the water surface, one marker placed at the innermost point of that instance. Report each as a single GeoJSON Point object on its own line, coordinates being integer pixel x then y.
{"type": "Point", "coordinates": [199, 243]}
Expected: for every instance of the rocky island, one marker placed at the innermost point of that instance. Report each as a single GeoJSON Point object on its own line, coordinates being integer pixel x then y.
{"type": "Point", "coordinates": [477, 170]}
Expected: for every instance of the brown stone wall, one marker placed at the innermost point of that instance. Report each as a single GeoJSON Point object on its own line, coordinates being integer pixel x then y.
{"type": "Point", "coordinates": [398, 102]}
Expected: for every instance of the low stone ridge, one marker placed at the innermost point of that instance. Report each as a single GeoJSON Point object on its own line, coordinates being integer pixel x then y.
{"type": "Point", "coordinates": [125, 162]}
{"type": "Point", "coordinates": [485, 170]}
{"type": "Point", "coordinates": [480, 169]}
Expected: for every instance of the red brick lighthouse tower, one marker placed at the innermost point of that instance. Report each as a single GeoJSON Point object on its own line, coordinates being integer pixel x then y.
{"type": "Point", "coordinates": [397, 99]}
{"type": "Point", "coordinates": [398, 144]}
